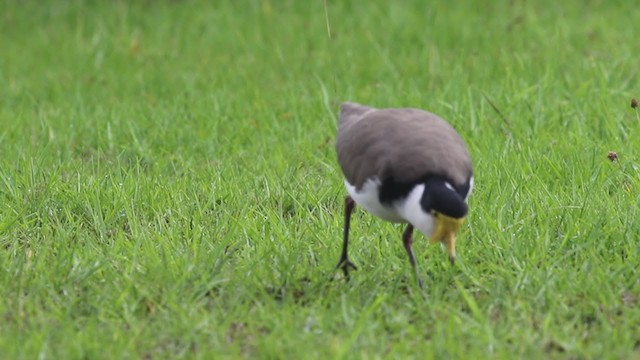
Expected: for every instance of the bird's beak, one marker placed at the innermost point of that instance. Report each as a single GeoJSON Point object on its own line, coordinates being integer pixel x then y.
{"type": "Point", "coordinates": [445, 232]}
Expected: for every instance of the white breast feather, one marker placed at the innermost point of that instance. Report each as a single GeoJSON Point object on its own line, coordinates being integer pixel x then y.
{"type": "Point", "coordinates": [409, 208]}
{"type": "Point", "coordinates": [404, 210]}
{"type": "Point", "coordinates": [368, 198]}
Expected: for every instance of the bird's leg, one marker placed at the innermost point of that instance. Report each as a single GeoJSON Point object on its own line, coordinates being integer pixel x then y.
{"type": "Point", "coordinates": [407, 240]}
{"type": "Point", "coordinates": [344, 262]}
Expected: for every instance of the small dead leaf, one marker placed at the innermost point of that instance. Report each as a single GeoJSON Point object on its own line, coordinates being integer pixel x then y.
{"type": "Point", "coordinates": [134, 46]}
{"type": "Point", "coordinates": [553, 346]}
{"type": "Point", "coordinates": [151, 307]}
{"type": "Point", "coordinates": [612, 155]}
{"type": "Point", "coordinates": [629, 299]}
{"type": "Point", "coordinates": [634, 103]}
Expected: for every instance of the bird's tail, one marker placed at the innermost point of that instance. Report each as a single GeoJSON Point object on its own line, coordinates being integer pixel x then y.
{"type": "Point", "coordinates": [351, 112]}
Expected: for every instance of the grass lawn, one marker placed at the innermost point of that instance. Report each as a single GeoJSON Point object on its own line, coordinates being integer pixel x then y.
{"type": "Point", "coordinates": [170, 189]}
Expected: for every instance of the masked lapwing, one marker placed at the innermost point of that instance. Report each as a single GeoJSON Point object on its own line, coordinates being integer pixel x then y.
{"type": "Point", "coordinates": [404, 165]}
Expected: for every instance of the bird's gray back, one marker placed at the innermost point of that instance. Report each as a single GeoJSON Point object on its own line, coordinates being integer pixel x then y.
{"type": "Point", "coordinates": [402, 144]}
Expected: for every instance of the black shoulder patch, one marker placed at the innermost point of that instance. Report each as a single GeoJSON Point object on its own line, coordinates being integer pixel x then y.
{"type": "Point", "coordinates": [391, 190]}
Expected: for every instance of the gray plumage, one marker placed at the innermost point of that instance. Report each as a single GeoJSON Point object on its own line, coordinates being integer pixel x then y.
{"type": "Point", "coordinates": [402, 144]}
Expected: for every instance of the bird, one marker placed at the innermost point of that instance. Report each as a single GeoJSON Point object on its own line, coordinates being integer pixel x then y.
{"type": "Point", "coordinates": [403, 165]}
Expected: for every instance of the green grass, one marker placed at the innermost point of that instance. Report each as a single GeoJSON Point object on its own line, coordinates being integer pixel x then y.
{"type": "Point", "coordinates": [169, 185]}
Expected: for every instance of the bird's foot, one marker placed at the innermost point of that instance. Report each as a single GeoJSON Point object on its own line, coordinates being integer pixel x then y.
{"type": "Point", "coordinates": [345, 264]}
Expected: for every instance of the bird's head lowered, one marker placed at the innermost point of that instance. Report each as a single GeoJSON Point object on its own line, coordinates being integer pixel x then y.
{"type": "Point", "coordinates": [449, 208]}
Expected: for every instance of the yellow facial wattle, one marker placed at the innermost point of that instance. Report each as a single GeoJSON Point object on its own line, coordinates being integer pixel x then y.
{"type": "Point", "coordinates": [445, 232]}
